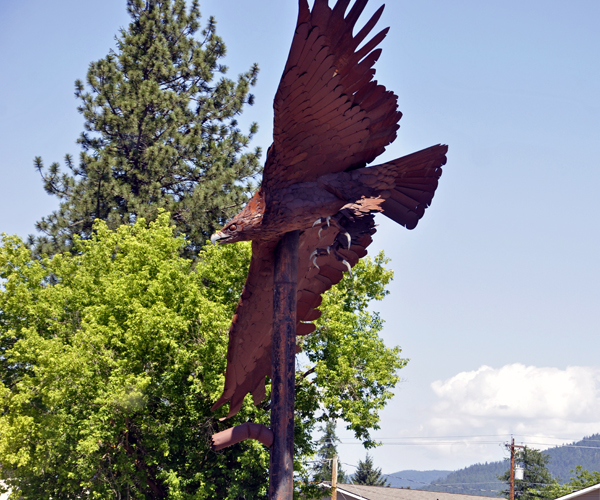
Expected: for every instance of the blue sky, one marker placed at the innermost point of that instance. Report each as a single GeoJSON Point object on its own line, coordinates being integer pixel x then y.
{"type": "Point", "coordinates": [495, 299]}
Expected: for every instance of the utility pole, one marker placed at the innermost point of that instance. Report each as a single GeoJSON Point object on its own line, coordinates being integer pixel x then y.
{"type": "Point", "coordinates": [334, 466]}
{"type": "Point", "coordinates": [512, 447]}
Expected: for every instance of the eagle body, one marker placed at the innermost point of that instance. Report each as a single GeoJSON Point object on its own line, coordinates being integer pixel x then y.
{"type": "Point", "coordinates": [332, 119]}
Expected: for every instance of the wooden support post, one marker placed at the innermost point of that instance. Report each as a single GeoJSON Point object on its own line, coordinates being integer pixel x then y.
{"type": "Point", "coordinates": [334, 472]}
{"type": "Point", "coordinates": [285, 278]}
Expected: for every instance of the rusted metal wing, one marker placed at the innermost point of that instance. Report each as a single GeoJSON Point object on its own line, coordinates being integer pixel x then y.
{"type": "Point", "coordinates": [330, 115]}
{"type": "Point", "coordinates": [331, 120]}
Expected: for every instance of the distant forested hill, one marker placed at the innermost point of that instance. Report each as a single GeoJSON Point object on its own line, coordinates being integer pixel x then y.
{"type": "Point", "coordinates": [478, 479]}
{"type": "Point", "coordinates": [481, 479]}
{"type": "Point", "coordinates": [415, 479]}
{"type": "Point", "coordinates": [564, 458]}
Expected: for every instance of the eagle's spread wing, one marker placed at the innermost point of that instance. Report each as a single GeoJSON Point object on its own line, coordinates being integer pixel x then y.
{"type": "Point", "coordinates": [250, 335]}
{"type": "Point", "coordinates": [330, 115]}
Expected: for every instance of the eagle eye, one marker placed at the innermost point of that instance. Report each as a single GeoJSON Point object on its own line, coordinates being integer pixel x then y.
{"type": "Point", "coordinates": [233, 227]}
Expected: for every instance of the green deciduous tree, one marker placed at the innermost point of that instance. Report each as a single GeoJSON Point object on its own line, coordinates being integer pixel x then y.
{"type": "Point", "coordinates": [346, 354]}
{"type": "Point", "coordinates": [112, 355]}
{"type": "Point", "coordinates": [160, 132]}
{"type": "Point", "coordinates": [582, 479]}
{"type": "Point", "coordinates": [368, 474]}
{"type": "Point", "coordinates": [327, 449]}
{"type": "Point", "coordinates": [110, 360]}
{"type": "Point", "coordinates": [536, 476]}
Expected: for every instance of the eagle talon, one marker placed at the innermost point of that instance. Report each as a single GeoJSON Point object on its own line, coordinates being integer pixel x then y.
{"type": "Point", "coordinates": [330, 221]}
{"type": "Point", "coordinates": [313, 258]}
{"type": "Point", "coordinates": [349, 239]}
{"type": "Point", "coordinates": [348, 266]}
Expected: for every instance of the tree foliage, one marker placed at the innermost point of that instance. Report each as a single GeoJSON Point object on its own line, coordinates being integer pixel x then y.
{"type": "Point", "coordinates": [582, 479]}
{"type": "Point", "coordinates": [327, 450]}
{"type": "Point", "coordinates": [536, 476]}
{"type": "Point", "coordinates": [113, 354]}
{"type": "Point", "coordinates": [368, 474]}
{"type": "Point", "coordinates": [160, 132]}
{"type": "Point", "coordinates": [347, 357]}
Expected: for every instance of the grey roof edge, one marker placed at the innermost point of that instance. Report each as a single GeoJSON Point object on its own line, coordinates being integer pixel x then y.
{"type": "Point", "coordinates": [346, 492]}
{"type": "Point", "coordinates": [356, 491]}
{"type": "Point", "coordinates": [580, 492]}
{"type": "Point", "coordinates": [433, 492]}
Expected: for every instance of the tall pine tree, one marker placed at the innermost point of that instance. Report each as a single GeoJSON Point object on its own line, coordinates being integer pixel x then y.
{"type": "Point", "coordinates": [536, 476]}
{"type": "Point", "coordinates": [160, 132]}
{"type": "Point", "coordinates": [367, 474]}
{"type": "Point", "coordinates": [327, 450]}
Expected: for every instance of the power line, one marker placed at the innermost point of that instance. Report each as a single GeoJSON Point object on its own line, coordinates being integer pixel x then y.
{"type": "Point", "coordinates": [430, 443]}
{"type": "Point", "coordinates": [446, 437]}
{"type": "Point", "coordinates": [558, 438]}
{"type": "Point", "coordinates": [448, 485]}
{"type": "Point", "coordinates": [472, 436]}
{"type": "Point", "coordinates": [572, 446]}
{"type": "Point", "coordinates": [461, 442]}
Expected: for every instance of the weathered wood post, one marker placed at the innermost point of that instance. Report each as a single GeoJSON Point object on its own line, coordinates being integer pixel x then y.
{"type": "Point", "coordinates": [334, 473]}
{"type": "Point", "coordinates": [285, 278]}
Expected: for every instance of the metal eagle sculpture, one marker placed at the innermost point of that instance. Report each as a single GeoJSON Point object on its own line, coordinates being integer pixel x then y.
{"type": "Point", "coordinates": [332, 119]}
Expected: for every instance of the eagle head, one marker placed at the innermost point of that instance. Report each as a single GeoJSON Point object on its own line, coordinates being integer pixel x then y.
{"type": "Point", "coordinates": [246, 225]}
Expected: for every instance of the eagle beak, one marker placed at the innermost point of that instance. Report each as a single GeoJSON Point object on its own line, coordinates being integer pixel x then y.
{"type": "Point", "coordinates": [216, 237]}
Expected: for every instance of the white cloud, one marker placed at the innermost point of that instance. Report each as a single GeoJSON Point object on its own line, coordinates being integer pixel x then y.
{"type": "Point", "coordinates": [519, 399]}
{"type": "Point", "coordinates": [468, 418]}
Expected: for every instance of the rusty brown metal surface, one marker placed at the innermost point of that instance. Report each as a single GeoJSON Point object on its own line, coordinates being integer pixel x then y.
{"type": "Point", "coordinates": [402, 189]}
{"type": "Point", "coordinates": [242, 432]}
{"type": "Point", "coordinates": [332, 119]}
{"type": "Point", "coordinates": [281, 469]}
